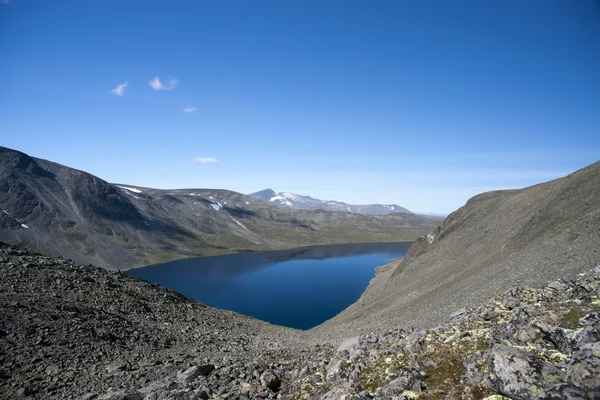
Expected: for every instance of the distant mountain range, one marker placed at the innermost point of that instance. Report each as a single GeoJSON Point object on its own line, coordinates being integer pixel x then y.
{"type": "Point", "coordinates": [300, 202]}
{"type": "Point", "coordinates": [61, 211]}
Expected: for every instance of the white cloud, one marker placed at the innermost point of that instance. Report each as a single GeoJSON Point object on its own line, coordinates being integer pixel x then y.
{"type": "Point", "coordinates": [189, 109]}
{"type": "Point", "coordinates": [157, 85]}
{"type": "Point", "coordinates": [119, 90]}
{"type": "Point", "coordinates": [205, 160]}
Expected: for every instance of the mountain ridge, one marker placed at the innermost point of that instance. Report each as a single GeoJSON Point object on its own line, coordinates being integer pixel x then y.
{"type": "Point", "coordinates": [497, 239]}
{"type": "Point", "coordinates": [66, 212]}
{"type": "Point", "coordinates": [302, 202]}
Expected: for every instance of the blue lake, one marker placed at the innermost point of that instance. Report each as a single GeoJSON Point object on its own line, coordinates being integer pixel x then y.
{"type": "Point", "coordinates": [298, 288]}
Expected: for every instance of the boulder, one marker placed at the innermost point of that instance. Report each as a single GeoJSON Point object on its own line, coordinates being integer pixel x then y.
{"type": "Point", "coordinates": [269, 380]}
{"type": "Point", "coordinates": [584, 369]}
{"type": "Point", "coordinates": [187, 376]}
{"type": "Point", "coordinates": [521, 375]}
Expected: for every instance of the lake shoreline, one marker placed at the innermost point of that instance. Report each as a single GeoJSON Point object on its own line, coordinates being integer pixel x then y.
{"type": "Point", "coordinates": [311, 284]}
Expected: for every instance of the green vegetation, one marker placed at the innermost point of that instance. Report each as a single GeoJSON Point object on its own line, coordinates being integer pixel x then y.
{"type": "Point", "coordinates": [571, 319]}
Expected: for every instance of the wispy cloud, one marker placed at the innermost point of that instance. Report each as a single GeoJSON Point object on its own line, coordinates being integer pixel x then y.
{"type": "Point", "coordinates": [205, 160]}
{"type": "Point", "coordinates": [119, 90]}
{"type": "Point", "coordinates": [189, 109]}
{"type": "Point", "coordinates": [157, 84]}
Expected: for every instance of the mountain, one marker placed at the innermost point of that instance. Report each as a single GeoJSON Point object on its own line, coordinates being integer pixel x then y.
{"type": "Point", "coordinates": [69, 331]}
{"type": "Point", "coordinates": [65, 212]}
{"type": "Point", "coordinates": [296, 201]}
{"type": "Point", "coordinates": [499, 239]}
{"type": "Point", "coordinates": [501, 301]}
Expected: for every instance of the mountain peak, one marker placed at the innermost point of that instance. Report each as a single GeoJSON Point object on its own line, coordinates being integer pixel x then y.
{"type": "Point", "coordinates": [302, 202]}
{"type": "Point", "coordinates": [264, 194]}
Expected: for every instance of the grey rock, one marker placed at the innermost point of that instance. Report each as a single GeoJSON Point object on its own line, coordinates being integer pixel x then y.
{"type": "Point", "coordinates": [559, 285]}
{"type": "Point", "coordinates": [519, 374]}
{"type": "Point", "coordinates": [342, 390]}
{"type": "Point", "coordinates": [458, 315]}
{"type": "Point", "coordinates": [117, 366]}
{"type": "Point", "coordinates": [270, 380]}
{"type": "Point", "coordinates": [188, 375]}
{"type": "Point", "coordinates": [584, 369]}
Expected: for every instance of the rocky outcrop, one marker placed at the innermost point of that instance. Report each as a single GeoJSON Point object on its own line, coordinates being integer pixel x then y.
{"type": "Point", "coordinates": [525, 344]}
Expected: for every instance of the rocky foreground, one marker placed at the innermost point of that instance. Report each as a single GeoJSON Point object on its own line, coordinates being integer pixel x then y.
{"type": "Point", "coordinates": [68, 331]}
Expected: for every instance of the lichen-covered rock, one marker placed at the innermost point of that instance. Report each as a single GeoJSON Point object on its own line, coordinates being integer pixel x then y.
{"type": "Point", "coordinates": [584, 369]}
{"type": "Point", "coordinates": [519, 374]}
{"type": "Point", "coordinates": [343, 390]}
{"type": "Point", "coordinates": [406, 381]}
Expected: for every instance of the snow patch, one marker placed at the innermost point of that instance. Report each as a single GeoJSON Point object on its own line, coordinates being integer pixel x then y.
{"type": "Point", "coordinates": [133, 195]}
{"type": "Point", "coordinates": [24, 226]}
{"type": "Point", "coordinates": [274, 198]}
{"type": "Point", "coordinates": [290, 196]}
{"type": "Point", "coordinates": [217, 206]}
{"type": "Point", "coordinates": [247, 203]}
{"type": "Point", "coordinates": [349, 210]}
{"type": "Point", "coordinates": [134, 190]}
{"type": "Point", "coordinates": [146, 223]}
{"type": "Point", "coordinates": [239, 223]}
{"type": "Point", "coordinates": [430, 237]}
{"type": "Point", "coordinates": [287, 203]}
{"type": "Point", "coordinates": [5, 212]}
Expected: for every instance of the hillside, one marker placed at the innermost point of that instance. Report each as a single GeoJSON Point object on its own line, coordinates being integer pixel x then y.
{"type": "Point", "coordinates": [498, 239]}
{"type": "Point", "coordinates": [65, 212]}
{"type": "Point", "coordinates": [68, 331]}
{"type": "Point", "coordinates": [300, 202]}
{"type": "Point", "coordinates": [474, 311]}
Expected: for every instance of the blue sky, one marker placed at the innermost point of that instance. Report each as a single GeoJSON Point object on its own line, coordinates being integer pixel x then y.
{"type": "Point", "coordinates": [418, 103]}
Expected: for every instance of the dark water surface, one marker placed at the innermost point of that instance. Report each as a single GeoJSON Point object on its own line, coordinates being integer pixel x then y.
{"type": "Point", "coordinates": [299, 288]}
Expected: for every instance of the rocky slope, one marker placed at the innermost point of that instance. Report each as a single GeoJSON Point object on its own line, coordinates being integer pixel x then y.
{"type": "Point", "coordinates": [68, 330]}
{"type": "Point", "coordinates": [528, 236]}
{"type": "Point", "coordinates": [73, 332]}
{"type": "Point", "coordinates": [300, 202]}
{"type": "Point", "coordinates": [525, 344]}
{"type": "Point", "coordinates": [61, 211]}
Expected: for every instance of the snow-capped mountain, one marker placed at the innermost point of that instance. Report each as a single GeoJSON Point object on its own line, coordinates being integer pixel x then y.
{"type": "Point", "coordinates": [292, 200]}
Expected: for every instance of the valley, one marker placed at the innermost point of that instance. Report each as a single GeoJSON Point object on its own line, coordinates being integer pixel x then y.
{"type": "Point", "coordinates": [500, 300]}
{"type": "Point", "coordinates": [299, 200]}
{"type": "Point", "coordinates": [74, 214]}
